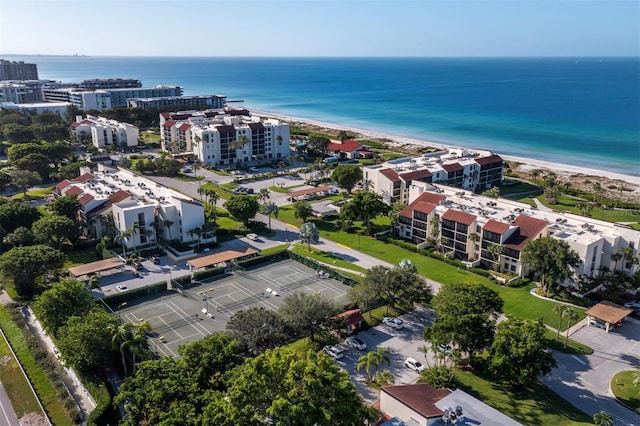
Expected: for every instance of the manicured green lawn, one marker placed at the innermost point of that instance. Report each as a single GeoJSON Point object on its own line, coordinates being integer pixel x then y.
{"type": "Point", "coordinates": [573, 347]}
{"type": "Point", "coordinates": [566, 203]}
{"type": "Point", "coordinates": [35, 194]}
{"type": "Point", "coordinates": [537, 405]}
{"type": "Point", "coordinates": [275, 249]}
{"type": "Point", "coordinates": [81, 256]}
{"type": "Point", "coordinates": [518, 188]}
{"type": "Point", "coordinates": [328, 258]}
{"type": "Point", "coordinates": [43, 387]}
{"type": "Point", "coordinates": [623, 389]}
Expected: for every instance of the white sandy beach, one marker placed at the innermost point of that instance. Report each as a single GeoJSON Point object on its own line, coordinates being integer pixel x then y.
{"type": "Point", "coordinates": [527, 163]}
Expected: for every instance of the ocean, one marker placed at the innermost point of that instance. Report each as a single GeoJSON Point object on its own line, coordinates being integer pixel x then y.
{"type": "Point", "coordinates": [578, 111]}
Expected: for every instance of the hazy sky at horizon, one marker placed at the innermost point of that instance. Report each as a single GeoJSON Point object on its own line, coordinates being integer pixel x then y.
{"type": "Point", "coordinates": [321, 28]}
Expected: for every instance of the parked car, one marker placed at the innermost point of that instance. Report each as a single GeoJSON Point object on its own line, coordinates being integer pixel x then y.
{"type": "Point", "coordinates": [138, 265]}
{"type": "Point", "coordinates": [597, 323]}
{"type": "Point", "coordinates": [252, 237]}
{"type": "Point", "coordinates": [156, 260]}
{"type": "Point", "coordinates": [392, 322]}
{"type": "Point", "coordinates": [356, 343]}
{"type": "Point", "coordinates": [187, 170]}
{"type": "Point", "coordinates": [253, 169]}
{"type": "Point", "coordinates": [632, 305]}
{"type": "Point", "coordinates": [121, 287]}
{"type": "Point", "coordinates": [414, 364]}
{"type": "Point", "coordinates": [249, 190]}
{"type": "Point", "coordinates": [333, 351]}
{"type": "Point", "coordinates": [445, 349]}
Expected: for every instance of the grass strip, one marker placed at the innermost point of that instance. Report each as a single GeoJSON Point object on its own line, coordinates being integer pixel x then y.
{"type": "Point", "coordinates": [327, 258]}
{"type": "Point", "coordinates": [623, 388]}
{"type": "Point", "coordinates": [43, 387]}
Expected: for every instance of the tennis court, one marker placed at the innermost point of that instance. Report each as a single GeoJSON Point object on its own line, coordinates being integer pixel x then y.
{"type": "Point", "coordinates": [205, 307]}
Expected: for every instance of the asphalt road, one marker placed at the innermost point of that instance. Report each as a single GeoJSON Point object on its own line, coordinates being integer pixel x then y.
{"type": "Point", "coordinates": [584, 380]}
{"type": "Point", "coordinates": [7, 415]}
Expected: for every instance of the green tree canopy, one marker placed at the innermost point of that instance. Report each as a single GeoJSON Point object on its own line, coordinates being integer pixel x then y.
{"type": "Point", "coordinates": [518, 352]}
{"type": "Point", "coordinates": [398, 285]}
{"type": "Point", "coordinates": [34, 162]}
{"type": "Point", "coordinates": [25, 179]}
{"type": "Point", "coordinates": [289, 389]}
{"type": "Point", "coordinates": [309, 233]}
{"type": "Point", "coordinates": [206, 361]}
{"type": "Point", "coordinates": [55, 230]}
{"type": "Point", "coordinates": [347, 176]}
{"type": "Point", "coordinates": [24, 264]}
{"type": "Point", "coordinates": [242, 207]}
{"type": "Point", "coordinates": [16, 214]}
{"type": "Point", "coordinates": [258, 329]}
{"type": "Point", "coordinates": [17, 133]}
{"type": "Point", "coordinates": [550, 259]}
{"type": "Point", "coordinates": [67, 206]}
{"type": "Point", "coordinates": [317, 144]}
{"type": "Point", "coordinates": [302, 210]}
{"type": "Point", "coordinates": [65, 299]}
{"type": "Point", "coordinates": [364, 206]}
{"type": "Point", "coordinates": [471, 333]}
{"type": "Point", "coordinates": [462, 299]}
{"type": "Point", "coordinates": [307, 313]}
{"type": "Point", "coordinates": [85, 341]}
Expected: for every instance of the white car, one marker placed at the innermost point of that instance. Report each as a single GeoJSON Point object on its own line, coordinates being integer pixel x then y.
{"type": "Point", "coordinates": [445, 349]}
{"type": "Point", "coordinates": [597, 323]}
{"type": "Point", "coordinates": [392, 322]}
{"type": "Point", "coordinates": [333, 351]}
{"type": "Point", "coordinates": [356, 343]}
{"type": "Point", "coordinates": [414, 364]}
{"type": "Point", "coordinates": [253, 169]}
{"type": "Point", "coordinates": [121, 287]}
{"type": "Point", "coordinates": [252, 237]}
{"type": "Point", "coordinates": [632, 305]}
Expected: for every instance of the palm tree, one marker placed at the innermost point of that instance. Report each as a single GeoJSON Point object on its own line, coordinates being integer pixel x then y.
{"type": "Point", "coordinates": [168, 223]}
{"type": "Point", "coordinates": [270, 209]}
{"type": "Point", "coordinates": [380, 357]}
{"type": "Point", "coordinates": [367, 362]}
{"type": "Point", "coordinates": [384, 378]}
{"type": "Point", "coordinates": [94, 282]}
{"type": "Point", "coordinates": [132, 231]}
{"type": "Point", "coordinates": [425, 351]}
{"type": "Point", "coordinates": [121, 338]}
{"type": "Point", "coordinates": [571, 316]}
{"type": "Point", "coordinates": [560, 310]}
{"type": "Point", "coordinates": [435, 225]}
{"type": "Point", "coordinates": [474, 237]}
{"type": "Point", "coordinates": [603, 418]}
{"type": "Point", "coordinates": [263, 195]}
{"type": "Point", "coordinates": [534, 175]}
{"type": "Point", "coordinates": [496, 251]}
{"type": "Point", "coordinates": [238, 143]}
{"type": "Point", "coordinates": [627, 255]}
{"type": "Point", "coordinates": [138, 345]}
{"type": "Point", "coordinates": [598, 191]}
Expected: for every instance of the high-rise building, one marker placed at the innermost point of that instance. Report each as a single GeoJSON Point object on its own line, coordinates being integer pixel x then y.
{"type": "Point", "coordinates": [110, 83]}
{"type": "Point", "coordinates": [17, 70]}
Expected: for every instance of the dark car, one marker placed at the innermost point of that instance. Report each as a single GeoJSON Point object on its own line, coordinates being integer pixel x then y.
{"type": "Point", "coordinates": [139, 266]}
{"type": "Point", "coordinates": [156, 260]}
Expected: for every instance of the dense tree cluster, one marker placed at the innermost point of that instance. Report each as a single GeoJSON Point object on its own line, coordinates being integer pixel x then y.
{"type": "Point", "coordinates": [242, 207]}
{"type": "Point", "coordinates": [158, 166]}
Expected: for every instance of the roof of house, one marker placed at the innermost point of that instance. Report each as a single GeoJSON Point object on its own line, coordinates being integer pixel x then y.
{"type": "Point", "coordinates": [424, 207]}
{"type": "Point", "coordinates": [98, 266]}
{"type": "Point", "coordinates": [85, 199]}
{"type": "Point", "coordinates": [184, 126]}
{"type": "Point", "coordinates": [415, 175]}
{"type": "Point", "coordinates": [528, 228]}
{"type": "Point", "coordinates": [609, 312]}
{"type": "Point", "coordinates": [84, 178]}
{"type": "Point", "coordinates": [224, 256]}
{"type": "Point", "coordinates": [460, 217]}
{"type": "Point", "coordinates": [62, 184]}
{"type": "Point", "coordinates": [352, 316]}
{"type": "Point", "coordinates": [496, 227]}
{"type": "Point", "coordinates": [474, 411]}
{"type": "Point", "coordinates": [421, 398]}
{"type": "Point", "coordinates": [425, 203]}
{"type": "Point", "coordinates": [74, 190]}
{"type": "Point", "coordinates": [453, 167]}
{"type": "Point", "coordinates": [488, 160]}
{"type": "Point", "coordinates": [116, 197]}
{"type": "Point", "coordinates": [169, 123]}
{"type": "Point", "coordinates": [345, 146]}
{"type": "Point", "coordinates": [390, 174]}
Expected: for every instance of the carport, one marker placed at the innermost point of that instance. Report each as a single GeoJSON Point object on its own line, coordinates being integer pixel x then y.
{"type": "Point", "coordinates": [309, 191]}
{"type": "Point", "coordinates": [101, 268]}
{"type": "Point", "coordinates": [608, 312]}
{"type": "Point", "coordinates": [220, 258]}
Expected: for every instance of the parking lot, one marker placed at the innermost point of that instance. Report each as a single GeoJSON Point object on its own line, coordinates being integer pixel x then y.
{"type": "Point", "coordinates": [401, 344]}
{"type": "Point", "coordinates": [206, 307]}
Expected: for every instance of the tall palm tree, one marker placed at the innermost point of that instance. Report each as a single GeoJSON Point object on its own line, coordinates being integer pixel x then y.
{"type": "Point", "coordinates": [367, 362]}
{"type": "Point", "coordinates": [434, 223]}
{"type": "Point", "coordinates": [121, 339]}
{"type": "Point", "coordinates": [496, 251]}
{"type": "Point", "coordinates": [132, 231]}
{"type": "Point", "coordinates": [474, 237]}
{"type": "Point", "coordinates": [571, 316]}
{"type": "Point", "coordinates": [237, 144]}
{"type": "Point", "coordinates": [384, 378]}
{"type": "Point", "coordinates": [380, 357]}
{"type": "Point", "coordinates": [138, 345]}
{"type": "Point", "coordinates": [560, 310]}
{"type": "Point", "coordinates": [270, 209]}
{"type": "Point", "coordinates": [263, 195]}
{"type": "Point", "coordinates": [626, 255]}
{"type": "Point", "coordinates": [168, 223]}
{"type": "Point", "coordinates": [603, 418]}
{"type": "Point", "coordinates": [94, 282]}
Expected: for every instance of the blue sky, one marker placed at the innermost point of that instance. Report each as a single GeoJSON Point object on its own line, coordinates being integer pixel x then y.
{"type": "Point", "coordinates": [321, 28]}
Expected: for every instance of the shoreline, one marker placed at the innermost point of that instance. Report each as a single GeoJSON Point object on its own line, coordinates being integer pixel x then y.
{"type": "Point", "coordinates": [397, 140]}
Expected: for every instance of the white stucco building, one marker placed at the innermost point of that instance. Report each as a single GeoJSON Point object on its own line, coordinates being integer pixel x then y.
{"type": "Point", "coordinates": [105, 132]}
{"type": "Point", "coordinates": [212, 136]}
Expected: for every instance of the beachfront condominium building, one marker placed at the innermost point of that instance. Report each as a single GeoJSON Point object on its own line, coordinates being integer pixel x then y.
{"type": "Point", "coordinates": [224, 137]}
{"type": "Point", "coordinates": [59, 108]}
{"type": "Point", "coordinates": [17, 70]}
{"type": "Point", "coordinates": [145, 213]}
{"type": "Point", "coordinates": [105, 132]}
{"type": "Point", "coordinates": [492, 232]}
{"type": "Point", "coordinates": [105, 98]}
{"type": "Point", "coordinates": [110, 83]}
{"type": "Point", "coordinates": [179, 102]}
{"type": "Point", "coordinates": [21, 92]}
{"type": "Point", "coordinates": [461, 168]}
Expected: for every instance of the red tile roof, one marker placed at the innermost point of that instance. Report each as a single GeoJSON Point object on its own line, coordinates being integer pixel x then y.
{"type": "Point", "coordinates": [460, 217]}
{"type": "Point", "coordinates": [423, 204]}
{"type": "Point", "coordinates": [415, 175]}
{"type": "Point", "coordinates": [165, 115]}
{"type": "Point", "coordinates": [169, 123]}
{"type": "Point", "coordinates": [488, 160]}
{"type": "Point", "coordinates": [76, 124]}
{"type": "Point", "coordinates": [390, 174]}
{"type": "Point", "coordinates": [528, 229]}
{"type": "Point", "coordinates": [83, 178]}
{"type": "Point", "coordinates": [453, 167]}
{"type": "Point", "coordinates": [62, 184]}
{"type": "Point", "coordinates": [85, 198]}
{"type": "Point", "coordinates": [346, 146]}
{"type": "Point", "coordinates": [74, 190]}
{"type": "Point", "coordinates": [496, 227]}
{"type": "Point", "coordinates": [116, 197]}
{"type": "Point", "coordinates": [421, 398]}
{"type": "Point", "coordinates": [353, 316]}
{"type": "Point", "coordinates": [424, 207]}
{"type": "Point", "coordinates": [184, 126]}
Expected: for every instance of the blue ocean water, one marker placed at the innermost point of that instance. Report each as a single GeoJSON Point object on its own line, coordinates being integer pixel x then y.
{"type": "Point", "coordinates": [577, 111]}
